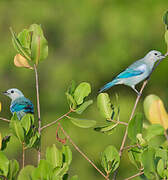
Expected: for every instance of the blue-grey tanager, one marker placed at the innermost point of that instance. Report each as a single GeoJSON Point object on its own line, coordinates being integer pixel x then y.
{"type": "Point", "coordinates": [19, 103]}
{"type": "Point", "coordinates": [136, 72]}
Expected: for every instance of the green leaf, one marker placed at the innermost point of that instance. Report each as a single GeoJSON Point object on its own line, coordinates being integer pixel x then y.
{"type": "Point", "coordinates": [26, 172]}
{"type": "Point", "coordinates": [83, 123]}
{"type": "Point", "coordinates": [43, 171]}
{"type": "Point", "coordinates": [54, 156]}
{"type": "Point", "coordinates": [5, 141]}
{"type": "Point", "coordinates": [141, 140]}
{"type": "Point", "coordinates": [82, 91]}
{"type": "Point", "coordinates": [166, 173]}
{"type": "Point", "coordinates": [60, 172]}
{"type": "Point", "coordinates": [39, 45]}
{"type": "Point", "coordinates": [161, 153]}
{"type": "Point", "coordinates": [160, 168]}
{"type": "Point", "coordinates": [16, 128]}
{"type": "Point", "coordinates": [110, 159]}
{"type": "Point", "coordinates": [18, 46]}
{"type": "Point", "coordinates": [27, 121]}
{"type": "Point", "coordinates": [148, 157]}
{"type": "Point", "coordinates": [13, 169]}
{"type": "Point", "coordinates": [71, 88]}
{"type": "Point", "coordinates": [135, 156]}
{"type": "Point", "coordinates": [35, 28]}
{"type": "Point", "coordinates": [4, 164]}
{"type": "Point", "coordinates": [154, 130]}
{"type": "Point", "coordinates": [104, 105]}
{"type": "Point", "coordinates": [83, 106]}
{"type": "Point", "coordinates": [135, 126]}
{"type": "Point", "coordinates": [25, 39]}
{"type": "Point", "coordinates": [166, 38]}
{"type": "Point", "coordinates": [71, 100]}
{"type": "Point", "coordinates": [107, 129]}
{"type": "Point", "coordinates": [67, 154]}
{"type": "Point", "coordinates": [74, 178]}
{"type": "Point", "coordinates": [165, 18]}
{"type": "Point", "coordinates": [32, 139]}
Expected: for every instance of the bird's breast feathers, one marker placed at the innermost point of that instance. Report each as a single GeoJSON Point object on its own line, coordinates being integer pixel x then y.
{"type": "Point", "coordinates": [142, 68]}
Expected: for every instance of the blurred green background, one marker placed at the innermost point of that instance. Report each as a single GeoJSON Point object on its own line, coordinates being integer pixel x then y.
{"type": "Point", "coordinates": [89, 40]}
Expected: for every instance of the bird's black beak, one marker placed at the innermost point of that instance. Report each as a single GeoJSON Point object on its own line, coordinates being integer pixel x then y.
{"type": "Point", "coordinates": [5, 93]}
{"type": "Point", "coordinates": [162, 56]}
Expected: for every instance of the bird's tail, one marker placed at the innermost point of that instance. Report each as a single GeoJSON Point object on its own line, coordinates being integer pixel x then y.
{"type": "Point", "coordinates": [108, 85]}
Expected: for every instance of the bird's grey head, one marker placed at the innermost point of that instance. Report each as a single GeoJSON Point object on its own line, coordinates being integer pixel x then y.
{"type": "Point", "coordinates": [13, 93]}
{"type": "Point", "coordinates": [154, 55]}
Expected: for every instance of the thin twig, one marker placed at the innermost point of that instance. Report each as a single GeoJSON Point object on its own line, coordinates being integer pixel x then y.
{"type": "Point", "coordinates": [166, 135]}
{"type": "Point", "coordinates": [38, 108]}
{"type": "Point", "coordinates": [23, 155]}
{"type": "Point", "coordinates": [132, 114]}
{"type": "Point", "coordinates": [54, 122]}
{"type": "Point", "coordinates": [4, 119]}
{"type": "Point", "coordinates": [138, 174]}
{"type": "Point", "coordinates": [133, 111]}
{"type": "Point", "coordinates": [131, 146]}
{"type": "Point", "coordinates": [119, 122]}
{"type": "Point", "coordinates": [76, 147]}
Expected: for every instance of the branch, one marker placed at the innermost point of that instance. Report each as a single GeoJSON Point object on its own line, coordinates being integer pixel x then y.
{"type": "Point", "coordinates": [4, 119]}
{"type": "Point", "coordinates": [118, 122]}
{"type": "Point", "coordinates": [132, 114]}
{"type": "Point", "coordinates": [133, 111]}
{"type": "Point", "coordinates": [138, 174]}
{"type": "Point", "coordinates": [54, 122]}
{"type": "Point", "coordinates": [23, 155]}
{"type": "Point", "coordinates": [76, 147]}
{"type": "Point", "coordinates": [131, 146]}
{"type": "Point", "coordinates": [166, 135]}
{"type": "Point", "coordinates": [38, 107]}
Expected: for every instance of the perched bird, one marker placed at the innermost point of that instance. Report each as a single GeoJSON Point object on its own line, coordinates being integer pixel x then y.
{"type": "Point", "coordinates": [19, 103]}
{"type": "Point", "coordinates": [136, 72]}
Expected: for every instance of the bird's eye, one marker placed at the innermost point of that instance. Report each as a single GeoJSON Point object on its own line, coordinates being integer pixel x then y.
{"type": "Point", "coordinates": [156, 54]}
{"type": "Point", "coordinates": [12, 91]}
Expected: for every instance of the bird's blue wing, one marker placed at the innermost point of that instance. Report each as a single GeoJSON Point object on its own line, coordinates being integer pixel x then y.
{"type": "Point", "coordinates": [22, 104]}
{"type": "Point", "coordinates": [129, 72]}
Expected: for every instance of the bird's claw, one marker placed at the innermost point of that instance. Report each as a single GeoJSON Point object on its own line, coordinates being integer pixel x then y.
{"type": "Point", "coordinates": [139, 94]}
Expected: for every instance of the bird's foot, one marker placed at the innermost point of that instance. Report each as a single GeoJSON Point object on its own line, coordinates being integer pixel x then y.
{"type": "Point", "coordinates": [139, 94]}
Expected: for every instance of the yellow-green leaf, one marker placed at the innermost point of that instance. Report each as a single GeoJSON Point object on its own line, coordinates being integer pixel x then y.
{"type": "Point", "coordinates": [166, 38]}
{"type": "Point", "coordinates": [18, 46]}
{"type": "Point", "coordinates": [39, 44]}
{"type": "Point", "coordinates": [165, 18]}
{"type": "Point", "coordinates": [21, 61]}
{"type": "Point", "coordinates": [54, 156]}
{"type": "Point", "coordinates": [148, 162]}
{"type": "Point", "coordinates": [155, 111]}
{"type": "Point", "coordinates": [26, 172]}
{"type": "Point", "coordinates": [82, 91]}
{"type": "Point", "coordinates": [83, 106]}
{"type": "Point", "coordinates": [104, 105]}
{"type": "Point", "coordinates": [135, 126]}
{"type": "Point", "coordinates": [110, 159]}
{"type": "Point", "coordinates": [83, 123]}
{"type": "Point", "coordinates": [16, 128]}
{"type": "Point", "coordinates": [4, 164]}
